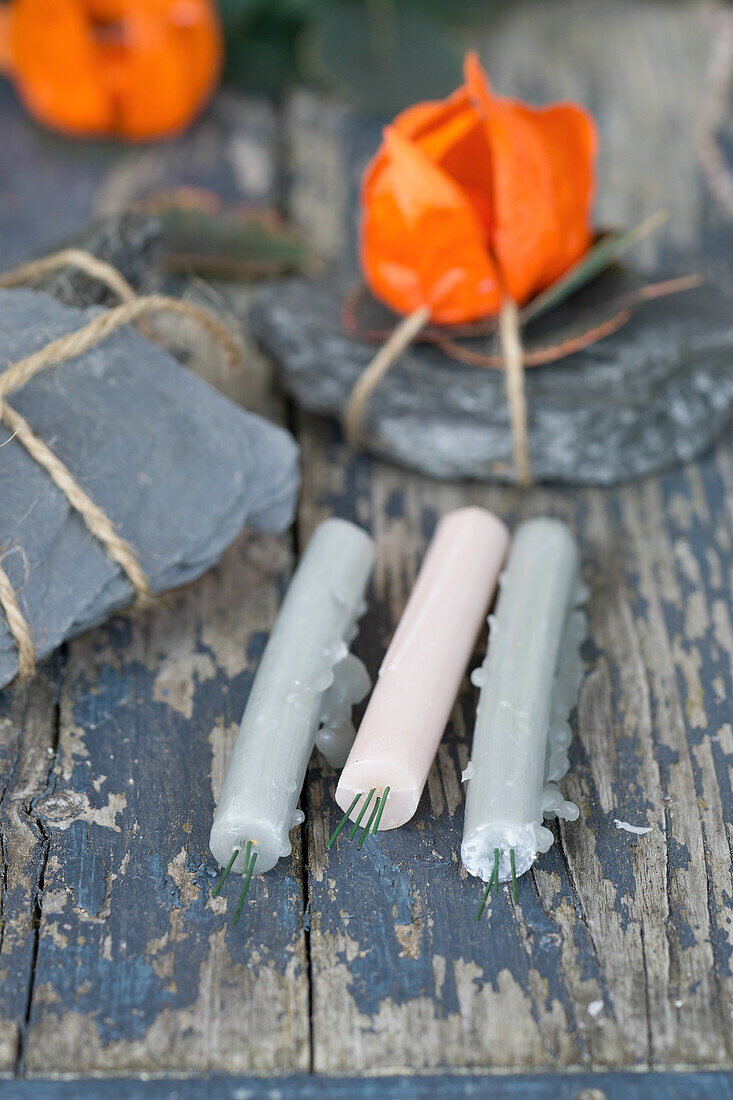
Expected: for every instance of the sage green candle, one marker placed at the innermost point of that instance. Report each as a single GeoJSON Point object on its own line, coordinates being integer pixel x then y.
{"type": "Point", "coordinates": [529, 683]}
{"type": "Point", "coordinates": [302, 695]}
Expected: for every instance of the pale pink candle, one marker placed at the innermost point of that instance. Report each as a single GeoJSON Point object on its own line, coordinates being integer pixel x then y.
{"type": "Point", "coordinates": [424, 666]}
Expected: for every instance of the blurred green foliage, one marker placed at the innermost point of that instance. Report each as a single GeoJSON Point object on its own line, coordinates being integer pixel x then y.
{"type": "Point", "coordinates": [381, 54]}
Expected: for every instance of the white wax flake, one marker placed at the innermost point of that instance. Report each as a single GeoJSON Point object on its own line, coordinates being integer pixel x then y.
{"type": "Point", "coordinates": [554, 805]}
{"type": "Point", "coordinates": [467, 772]}
{"type": "Point", "coordinates": [637, 830]}
{"type": "Point", "coordinates": [595, 1008]}
{"type": "Point", "coordinates": [582, 594]}
{"type": "Point", "coordinates": [349, 684]}
{"type": "Point", "coordinates": [478, 677]}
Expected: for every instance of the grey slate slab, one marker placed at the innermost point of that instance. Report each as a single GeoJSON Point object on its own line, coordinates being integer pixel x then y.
{"type": "Point", "coordinates": [178, 468]}
{"type": "Point", "coordinates": [131, 241]}
{"type": "Point", "coordinates": [656, 392]}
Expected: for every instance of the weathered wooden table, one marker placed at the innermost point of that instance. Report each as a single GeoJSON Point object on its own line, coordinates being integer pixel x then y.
{"type": "Point", "coordinates": [114, 960]}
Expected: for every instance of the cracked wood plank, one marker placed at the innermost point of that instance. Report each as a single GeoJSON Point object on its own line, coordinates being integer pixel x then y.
{"type": "Point", "coordinates": [28, 728]}
{"type": "Point", "coordinates": [136, 971]}
{"type": "Point", "coordinates": [702, 1085]}
{"type": "Point", "coordinates": [618, 952]}
{"type": "Point", "coordinates": [134, 968]}
{"type": "Point", "coordinates": [139, 968]}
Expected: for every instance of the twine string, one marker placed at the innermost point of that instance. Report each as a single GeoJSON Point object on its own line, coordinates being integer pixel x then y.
{"type": "Point", "coordinates": [100, 328]}
{"type": "Point", "coordinates": [511, 350]}
{"type": "Point", "coordinates": [70, 257]}
{"type": "Point", "coordinates": [18, 627]}
{"type": "Point", "coordinates": [62, 349]}
{"type": "Point", "coordinates": [369, 379]}
{"type": "Point", "coordinates": [512, 359]}
{"type": "Point", "coordinates": [96, 520]}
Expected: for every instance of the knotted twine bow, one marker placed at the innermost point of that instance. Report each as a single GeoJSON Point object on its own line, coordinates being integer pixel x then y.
{"type": "Point", "coordinates": [67, 347]}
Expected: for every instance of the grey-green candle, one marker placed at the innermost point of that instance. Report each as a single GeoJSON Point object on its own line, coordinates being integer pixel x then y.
{"type": "Point", "coordinates": [302, 696]}
{"type": "Point", "coordinates": [529, 683]}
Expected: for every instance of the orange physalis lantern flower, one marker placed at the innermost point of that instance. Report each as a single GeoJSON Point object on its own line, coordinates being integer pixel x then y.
{"type": "Point", "coordinates": [476, 198]}
{"type": "Point", "coordinates": [135, 69]}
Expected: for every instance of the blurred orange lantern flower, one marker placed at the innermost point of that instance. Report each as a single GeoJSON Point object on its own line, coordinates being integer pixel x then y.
{"type": "Point", "coordinates": [476, 198]}
{"type": "Point", "coordinates": [134, 69]}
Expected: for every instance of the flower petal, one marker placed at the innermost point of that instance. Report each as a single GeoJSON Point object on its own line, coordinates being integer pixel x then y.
{"type": "Point", "coordinates": [422, 241]}
{"type": "Point", "coordinates": [571, 142]}
{"type": "Point", "coordinates": [542, 177]}
{"type": "Point", "coordinates": [429, 122]}
{"type": "Point", "coordinates": [482, 191]}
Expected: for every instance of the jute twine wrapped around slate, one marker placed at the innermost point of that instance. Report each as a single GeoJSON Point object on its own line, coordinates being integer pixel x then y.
{"type": "Point", "coordinates": [133, 308]}
{"type": "Point", "coordinates": [513, 363]}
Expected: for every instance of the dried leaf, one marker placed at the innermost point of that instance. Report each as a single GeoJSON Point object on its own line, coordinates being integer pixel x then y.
{"type": "Point", "coordinates": [607, 248]}
{"type": "Point", "coordinates": [615, 292]}
{"type": "Point", "coordinates": [201, 236]}
{"type": "Point", "coordinates": [588, 314]}
{"type": "Point", "coordinates": [594, 312]}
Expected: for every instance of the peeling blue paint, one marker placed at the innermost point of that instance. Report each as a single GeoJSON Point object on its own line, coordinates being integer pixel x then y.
{"type": "Point", "coordinates": [89, 887]}
{"type": "Point", "coordinates": [678, 854]}
{"type": "Point", "coordinates": [403, 878]}
{"type": "Point", "coordinates": [562, 1086]}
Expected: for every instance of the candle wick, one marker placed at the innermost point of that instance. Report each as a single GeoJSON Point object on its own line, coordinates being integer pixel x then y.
{"type": "Point", "coordinates": [372, 824]}
{"type": "Point", "coordinates": [250, 864]}
{"type": "Point", "coordinates": [225, 872]}
{"type": "Point", "coordinates": [381, 810]}
{"type": "Point", "coordinates": [485, 897]}
{"type": "Point", "coordinates": [362, 811]}
{"type": "Point", "coordinates": [248, 867]}
{"type": "Point", "coordinates": [493, 881]}
{"type": "Point", "coordinates": [367, 827]}
{"type": "Point", "coordinates": [514, 874]}
{"type": "Point", "coordinates": [344, 819]}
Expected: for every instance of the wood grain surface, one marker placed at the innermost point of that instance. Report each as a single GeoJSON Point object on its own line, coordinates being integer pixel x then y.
{"type": "Point", "coordinates": [115, 960]}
